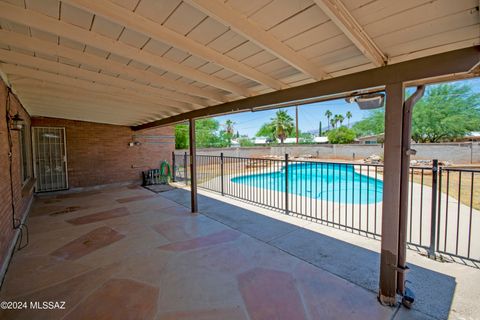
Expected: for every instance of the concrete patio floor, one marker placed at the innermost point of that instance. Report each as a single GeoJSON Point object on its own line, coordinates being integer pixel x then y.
{"type": "Point", "coordinates": [127, 253]}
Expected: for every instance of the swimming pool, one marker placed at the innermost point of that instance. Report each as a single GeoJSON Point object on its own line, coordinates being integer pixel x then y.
{"type": "Point", "coordinates": [323, 181]}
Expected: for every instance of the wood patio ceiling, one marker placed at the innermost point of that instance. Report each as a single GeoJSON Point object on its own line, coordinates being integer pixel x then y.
{"type": "Point", "coordinates": [131, 62]}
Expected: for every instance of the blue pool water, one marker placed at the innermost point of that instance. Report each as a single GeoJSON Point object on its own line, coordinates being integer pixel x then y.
{"type": "Point", "coordinates": [322, 181]}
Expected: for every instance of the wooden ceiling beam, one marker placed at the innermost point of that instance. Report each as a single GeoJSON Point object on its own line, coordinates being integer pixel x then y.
{"type": "Point", "coordinates": [250, 30]}
{"type": "Point", "coordinates": [104, 107]}
{"type": "Point", "coordinates": [132, 106]}
{"type": "Point", "coordinates": [154, 30]}
{"type": "Point", "coordinates": [29, 43]}
{"type": "Point", "coordinates": [75, 72]}
{"type": "Point", "coordinates": [73, 107]}
{"type": "Point", "coordinates": [48, 24]}
{"type": "Point", "coordinates": [34, 85]}
{"type": "Point", "coordinates": [84, 84]}
{"type": "Point", "coordinates": [343, 19]}
{"type": "Point", "coordinates": [449, 63]}
{"type": "Point", "coordinates": [37, 86]}
{"type": "Point", "coordinates": [37, 109]}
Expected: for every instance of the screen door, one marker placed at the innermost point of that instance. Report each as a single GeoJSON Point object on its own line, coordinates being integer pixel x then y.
{"type": "Point", "coordinates": [50, 158]}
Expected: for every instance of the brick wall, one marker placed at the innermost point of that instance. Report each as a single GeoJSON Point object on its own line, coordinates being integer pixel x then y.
{"type": "Point", "coordinates": [97, 154]}
{"type": "Point", "coordinates": [21, 199]}
{"type": "Point", "coordinates": [100, 154]}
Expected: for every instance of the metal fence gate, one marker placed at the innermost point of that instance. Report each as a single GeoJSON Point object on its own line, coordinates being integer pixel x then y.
{"type": "Point", "coordinates": [50, 158]}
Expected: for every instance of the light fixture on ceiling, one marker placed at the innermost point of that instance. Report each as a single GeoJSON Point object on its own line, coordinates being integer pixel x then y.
{"type": "Point", "coordinates": [368, 101]}
{"type": "Point", "coordinates": [369, 93]}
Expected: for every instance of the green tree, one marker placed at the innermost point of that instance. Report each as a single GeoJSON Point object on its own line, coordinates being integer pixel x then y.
{"type": "Point", "coordinates": [328, 114]}
{"type": "Point", "coordinates": [340, 118]}
{"type": "Point", "coordinates": [348, 115]}
{"type": "Point", "coordinates": [181, 136]}
{"type": "Point", "coordinates": [229, 127]}
{"type": "Point", "coordinates": [373, 124]}
{"type": "Point", "coordinates": [207, 135]}
{"type": "Point", "coordinates": [445, 113]}
{"type": "Point", "coordinates": [333, 122]}
{"type": "Point", "coordinates": [224, 140]}
{"type": "Point", "coordinates": [229, 132]}
{"type": "Point", "coordinates": [283, 125]}
{"type": "Point", "coordinates": [341, 135]}
{"type": "Point", "coordinates": [266, 130]}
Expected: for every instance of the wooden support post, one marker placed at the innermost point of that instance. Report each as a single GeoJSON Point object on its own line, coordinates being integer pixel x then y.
{"type": "Point", "coordinates": [173, 166]}
{"type": "Point", "coordinates": [433, 211]}
{"type": "Point", "coordinates": [286, 184]}
{"type": "Point", "coordinates": [391, 193]}
{"type": "Point", "coordinates": [221, 173]}
{"type": "Point", "coordinates": [406, 152]}
{"type": "Point", "coordinates": [193, 166]}
{"type": "Point", "coordinates": [398, 124]}
{"type": "Point", "coordinates": [296, 123]}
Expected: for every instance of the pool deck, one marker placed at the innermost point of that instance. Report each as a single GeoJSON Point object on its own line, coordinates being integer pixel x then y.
{"type": "Point", "coordinates": [368, 216]}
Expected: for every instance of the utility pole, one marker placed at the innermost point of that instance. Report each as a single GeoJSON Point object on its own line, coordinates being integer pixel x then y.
{"type": "Point", "coordinates": [320, 128]}
{"type": "Point", "coordinates": [296, 121]}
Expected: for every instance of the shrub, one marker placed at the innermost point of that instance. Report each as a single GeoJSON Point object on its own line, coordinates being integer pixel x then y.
{"type": "Point", "coordinates": [245, 142]}
{"type": "Point", "coordinates": [341, 135]}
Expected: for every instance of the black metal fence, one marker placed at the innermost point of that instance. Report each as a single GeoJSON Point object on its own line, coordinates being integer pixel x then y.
{"type": "Point", "coordinates": [443, 202]}
{"type": "Point", "coordinates": [458, 227]}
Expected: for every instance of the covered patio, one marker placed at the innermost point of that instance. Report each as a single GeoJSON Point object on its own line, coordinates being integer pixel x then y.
{"type": "Point", "coordinates": [126, 252]}
{"type": "Point", "coordinates": [132, 254]}
{"type": "Point", "coordinates": [90, 93]}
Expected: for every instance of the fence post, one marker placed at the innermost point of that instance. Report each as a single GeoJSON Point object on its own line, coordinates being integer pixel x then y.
{"type": "Point", "coordinates": [286, 183]}
{"type": "Point", "coordinates": [173, 166]}
{"type": "Point", "coordinates": [185, 168]}
{"type": "Point", "coordinates": [221, 172]}
{"type": "Point", "coordinates": [433, 219]}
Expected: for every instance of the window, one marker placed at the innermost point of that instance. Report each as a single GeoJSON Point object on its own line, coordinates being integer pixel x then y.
{"type": "Point", "coordinates": [25, 154]}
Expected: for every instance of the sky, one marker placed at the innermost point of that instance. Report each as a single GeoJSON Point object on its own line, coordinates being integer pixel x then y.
{"type": "Point", "coordinates": [309, 116]}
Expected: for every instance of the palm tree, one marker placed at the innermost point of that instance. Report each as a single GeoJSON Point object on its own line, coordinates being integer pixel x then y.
{"type": "Point", "coordinates": [328, 114]}
{"type": "Point", "coordinates": [283, 125]}
{"type": "Point", "coordinates": [348, 115]}
{"type": "Point", "coordinates": [340, 118]}
{"type": "Point", "coordinates": [333, 122]}
{"type": "Point", "coordinates": [229, 126]}
{"type": "Point", "coordinates": [229, 131]}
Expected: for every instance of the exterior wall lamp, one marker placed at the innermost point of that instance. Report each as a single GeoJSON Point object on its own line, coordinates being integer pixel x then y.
{"type": "Point", "coordinates": [16, 122]}
{"type": "Point", "coordinates": [134, 144]}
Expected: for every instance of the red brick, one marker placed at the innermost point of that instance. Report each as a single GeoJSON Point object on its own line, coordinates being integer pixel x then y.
{"type": "Point", "coordinates": [99, 153]}
{"type": "Point", "coordinates": [20, 202]}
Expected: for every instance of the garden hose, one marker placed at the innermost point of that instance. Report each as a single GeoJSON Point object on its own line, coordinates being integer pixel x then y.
{"type": "Point", "coordinates": [168, 173]}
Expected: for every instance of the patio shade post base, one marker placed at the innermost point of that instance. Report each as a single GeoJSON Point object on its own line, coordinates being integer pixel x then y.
{"type": "Point", "coordinates": [387, 300]}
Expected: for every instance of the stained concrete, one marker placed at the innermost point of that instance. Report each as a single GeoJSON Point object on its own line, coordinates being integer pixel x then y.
{"type": "Point", "coordinates": [162, 262]}
{"type": "Point", "coordinates": [443, 290]}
